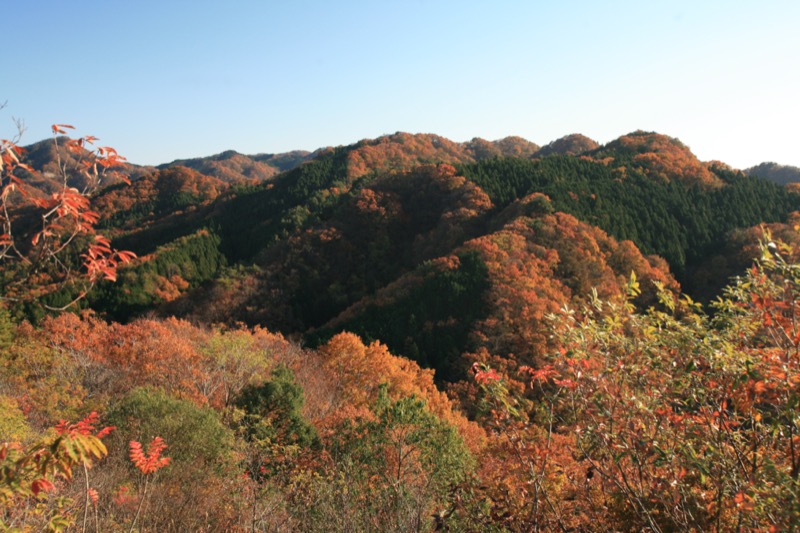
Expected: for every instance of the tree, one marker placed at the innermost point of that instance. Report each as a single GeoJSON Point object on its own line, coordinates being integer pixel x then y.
{"type": "Point", "coordinates": [391, 470]}
{"type": "Point", "coordinates": [202, 473]}
{"type": "Point", "coordinates": [671, 420]}
{"type": "Point", "coordinates": [28, 474]}
{"type": "Point", "coordinates": [50, 250]}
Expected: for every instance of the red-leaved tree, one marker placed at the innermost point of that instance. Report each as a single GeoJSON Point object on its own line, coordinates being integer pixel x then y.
{"type": "Point", "coordinates": [50, 249]}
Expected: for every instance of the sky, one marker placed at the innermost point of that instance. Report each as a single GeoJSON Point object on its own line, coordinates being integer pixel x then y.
{"type": "Point", "coordinates": [169, 79]}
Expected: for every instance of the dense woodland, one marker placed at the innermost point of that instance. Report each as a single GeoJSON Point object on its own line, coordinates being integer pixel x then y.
{"type": "Point", "coordinates": [404, 334]}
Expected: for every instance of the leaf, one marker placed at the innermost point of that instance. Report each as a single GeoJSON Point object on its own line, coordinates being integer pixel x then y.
{"type": "Point", "coordinates": [126, 256]}
{"type": "Point", "coordinates": [744, 502]}
{"type": "Point", "coordinates": [59, 128]}
{"type": "Point", "coordinates": [41, 485]}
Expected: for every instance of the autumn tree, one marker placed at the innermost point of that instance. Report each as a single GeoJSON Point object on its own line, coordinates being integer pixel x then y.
{"type": "Point", "coordinates": [673, 421]}
{"type": "Point", "coordinates": [31, 476]}
{"type": "Point", "coordinates": [391, 469]}
{"type": "Point", "coordinates": [49, 247]}
{"type": "Point", "coordinates": [202, 471]}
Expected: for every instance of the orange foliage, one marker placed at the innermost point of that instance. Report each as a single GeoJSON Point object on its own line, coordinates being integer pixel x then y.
{"type": "Point", "coordinates": [665, 157]}
{"type": "Point", "coordinates": [404, 151]}
{"type": "Point", "coordinates": [152, 461]}
{"type": "Point", "coordinates": [538, 264]}
{"type": "Point", "coordinates": [205, 365]}
{"type": "Point", "coordinates": [41, 233]}
{"type": "Point", "coordinates": [152, 195]}
{"type": "Point", "coordinates": [358, 371]}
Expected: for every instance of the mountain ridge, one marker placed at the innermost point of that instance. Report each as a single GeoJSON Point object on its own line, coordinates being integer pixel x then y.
{"type": "Point", "coordinates": [402, 150]}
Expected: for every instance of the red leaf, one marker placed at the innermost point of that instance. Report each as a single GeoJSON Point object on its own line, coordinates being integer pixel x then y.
{"type": "Point", "coordinates": [41, 485]}
{"type": "Point", "coordinates": [59, 128]}
{"type": "Point", "coordinates": [105, 431]}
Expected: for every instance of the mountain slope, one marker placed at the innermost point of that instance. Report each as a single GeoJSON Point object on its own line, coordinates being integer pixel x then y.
{"type": "Point", "coordinates": [574, 144]}
{"type": "Point", "coordinates": [342, 227]}
{"type": "Point", "coordinates": [491, 294]}
{"type": "Point", "coordinates": [658, 156]}
{"type": "Point", "coordinates": [780, 174]}
{"type": "Point", "coordinates": [233, 167]}
{"type": "Point", "coordinates": [44, 157]}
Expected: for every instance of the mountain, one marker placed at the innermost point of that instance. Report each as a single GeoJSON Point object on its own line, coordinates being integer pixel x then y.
{"type": "Point", "coordinates": [339, 227]}
{"type": "Point", "coordinates": [492, 293]}
{"type": "Point", "coordinates": [422, 261]}
{"type": "Point", "coordinates": [409, 333]}
{"type": "Point", "coordinates": [295, 251]}
{"type": "Point", "coordinates": [171, 193]}
{"type": "Point", "coordinates": [399, 151]}
{"type": "Point", "coordinates": [403, 151]}
{"type": "Point", "coordinates": [657, 156]}
{"type": "Point", "coordinates": [780, 174]}
{"type": "Point", "coordinates": [574, 144]}
{"type": "Point", "coordinates": [44, 157]}
{"type": "Point", "coordinates": [232, 167]}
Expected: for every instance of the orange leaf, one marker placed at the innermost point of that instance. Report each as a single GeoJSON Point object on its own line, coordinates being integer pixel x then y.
{"type": "Point", "coordinates": [743, 502]}
{"type": "Point", "coordinates": [42, 485]}
{"type": "Point", "coordinates": [59, 128]}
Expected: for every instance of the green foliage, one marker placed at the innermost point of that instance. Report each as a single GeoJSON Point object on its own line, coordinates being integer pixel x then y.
{"type": "Point", "coordinates": [431, 322]}
{"type": "Point", "coordinates": [192, 260]}
{"type": "Point", "coordinates": [196, 436]}
{"type": "Point", "coordinates": [404, 441]}
{"type": "Point", "coordinates": [681, 223]}
{"type": "Point", "coordinates": [13, 424]}
{"type": "Point", "coordinates": [254, 217]}
{"type": "Point", "coordinates": [391, 471]}
{"type": "Point", "coordinates": [273, 410]}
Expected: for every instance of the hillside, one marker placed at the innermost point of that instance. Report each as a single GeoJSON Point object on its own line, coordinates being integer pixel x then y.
{"type": "Point", "coordinates": [574, 144]}
{"type": "Point", "coordinates": [403, 334]}
{"type": "Point", "coordinates": [491, 294]}
{"type": "Point", "coordinates": [45, 156]}
{"type": "Point", "coordinates": [306, 233]}
{"type": "Point", "coordinates": [403, 151]}
{"type": "Point", "coordinates": [233, 167]}
{"type": "Point", "coordinates": [657, 156]}
{"type": "Point", "coordinates": [327, 234]}
{"type": "Point", "coordinates": [780, 174]}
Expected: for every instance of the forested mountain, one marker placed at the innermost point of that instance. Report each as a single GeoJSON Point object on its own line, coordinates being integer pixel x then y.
{"type": "Point", "coordinates": [780, 174]}
{"type": "Point", "coordinates": [45, 157]}
{"type": "Point", "coordinates": [403, 151]}
{"type": "Point", "coordinates": [336, 229]}
{"type": "Point", "coordinates": [232, 167]}
{"type": "Point", "coordinates": [332, 232]}
{"type": "Point", "coordinates": [391, 152]}
{"type": "Point", "coordinates": [574, 144]}
{"type": "Point", "coordinates": [407, 333]}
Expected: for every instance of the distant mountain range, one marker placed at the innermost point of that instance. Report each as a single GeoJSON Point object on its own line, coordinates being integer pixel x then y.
{"type": "Point", "coordinates": [780, 174]}
{"type": "Point", "coordinates": [537, 286]}
{"type": "Point", "coordinates": [231, 166]}
{"type": "Point", "coordinates": [396, 151]}
{"type": "Point", "coordinates": [424, 243]}
{"type": "Point", "coordinates": [308, 242]}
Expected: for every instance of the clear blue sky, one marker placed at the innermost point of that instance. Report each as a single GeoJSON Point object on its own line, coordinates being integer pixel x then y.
{"type": "Point", "coordinates": [161, 80]}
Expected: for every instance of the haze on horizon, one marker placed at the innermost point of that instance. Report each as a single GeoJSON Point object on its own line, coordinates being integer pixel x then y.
{"type": "Point", "coordinates": [167, 80]}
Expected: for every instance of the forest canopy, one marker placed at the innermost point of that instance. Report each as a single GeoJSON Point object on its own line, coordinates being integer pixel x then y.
{"type": "Point", "coordinates": [404, 334]}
